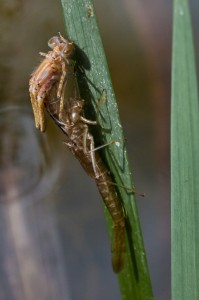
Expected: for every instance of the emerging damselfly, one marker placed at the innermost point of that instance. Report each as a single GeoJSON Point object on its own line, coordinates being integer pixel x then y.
{"type": "Point", "coordinates": [50, 88]}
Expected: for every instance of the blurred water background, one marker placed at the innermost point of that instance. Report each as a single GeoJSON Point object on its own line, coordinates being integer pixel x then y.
{"type": "Point", "coordinates": [54, 242]}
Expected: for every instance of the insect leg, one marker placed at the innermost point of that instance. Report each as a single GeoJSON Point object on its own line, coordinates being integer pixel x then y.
{"type": "Point", "coordinates": [88, 121]}
{"type": "Point", "coordinates": [43, 54]}
{"type": "Point", "coordinates": [88, 137]}
{"type": "Point", "coordinates": [105, 145]}
{"type": "Point", "coordinates": [92, 153]}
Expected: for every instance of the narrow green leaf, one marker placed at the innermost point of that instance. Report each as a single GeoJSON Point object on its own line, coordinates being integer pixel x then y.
{"type": "Point", "coordinates": [184, 160]}
{"type": "Point", "coordinates": [82, 28]}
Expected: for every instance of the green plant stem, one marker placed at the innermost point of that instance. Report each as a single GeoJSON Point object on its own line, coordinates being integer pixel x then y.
{"type": "Point", "coordinates": [82, 28]}
{"type": "Point", "coordinates": [184, 160]}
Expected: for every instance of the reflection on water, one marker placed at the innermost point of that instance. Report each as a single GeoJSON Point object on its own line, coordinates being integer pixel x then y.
{"type": "Point", "coordinates": [25, 166]}
{"type": "Point", "coordinates": [31, 258]}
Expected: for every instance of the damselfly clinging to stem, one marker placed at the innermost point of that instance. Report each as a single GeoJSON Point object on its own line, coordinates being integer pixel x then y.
{"type": "Point", "coordinates": [53, 70]}
{"type": "Point", "coordinates": [50, 87]}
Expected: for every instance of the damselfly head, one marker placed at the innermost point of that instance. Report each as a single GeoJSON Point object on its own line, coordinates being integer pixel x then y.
{"type": "Point", "coordinates": [62, 46]}
{"type": "Point", "coordinates": [75, 113]}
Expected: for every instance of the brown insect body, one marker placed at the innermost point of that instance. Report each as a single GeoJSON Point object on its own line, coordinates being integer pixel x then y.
{"type": "Point", "coordinates": [54, 69]}
{"type": "Point", "coordinates": [81, 143]}
{"type": "Point", "coordinates": [68, 115]}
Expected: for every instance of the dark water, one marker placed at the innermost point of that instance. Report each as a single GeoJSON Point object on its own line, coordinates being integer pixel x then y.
{"type": "Point", "coordinates": [24, 157]}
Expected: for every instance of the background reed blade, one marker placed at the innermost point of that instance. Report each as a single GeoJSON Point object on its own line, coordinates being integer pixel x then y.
{"type": "Point", "coordinates": [184, 160]}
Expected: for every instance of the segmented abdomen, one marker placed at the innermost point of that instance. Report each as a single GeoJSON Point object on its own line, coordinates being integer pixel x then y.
{"type": "Point", "coordinates": [111, 200]}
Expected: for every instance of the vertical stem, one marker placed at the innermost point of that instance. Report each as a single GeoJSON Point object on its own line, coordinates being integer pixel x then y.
{"type": "Point", "coordinates": [184, 160]}
{"type": "Point", "coordinates": [82, 28]}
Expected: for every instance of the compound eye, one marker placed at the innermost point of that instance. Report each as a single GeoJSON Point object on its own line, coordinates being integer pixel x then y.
{"type": "Point", "coordinates": [53, 42]}
{"type": "Point", "coordinates": [74, 116]}
{"type": "Point", "coordinates": [69, 49]}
